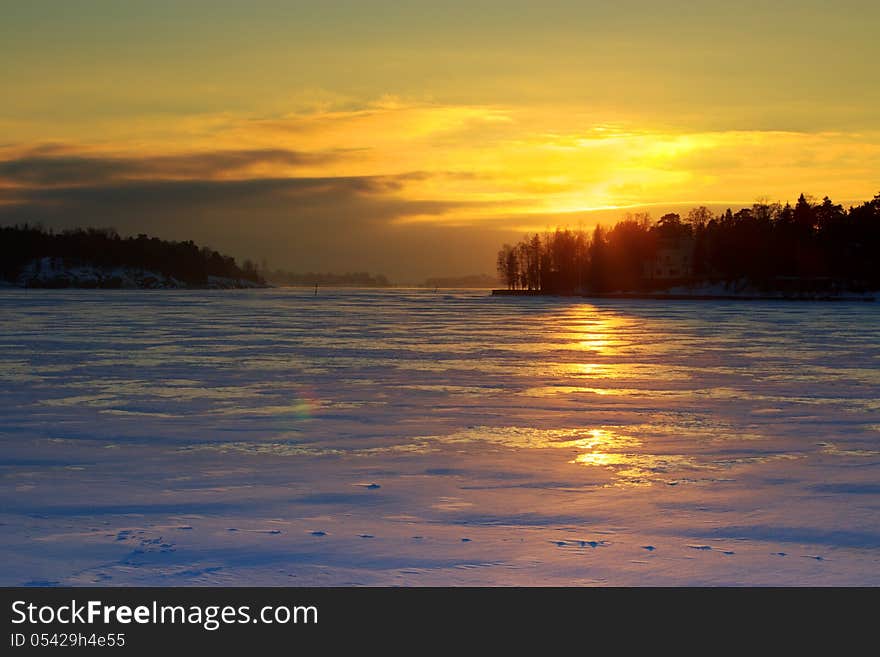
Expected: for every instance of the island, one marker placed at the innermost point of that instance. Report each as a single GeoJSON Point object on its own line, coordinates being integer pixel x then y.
{"type": "Point", "coordinates": [34, 257]}
{"type": "Point", "coordinates": [817, 251]}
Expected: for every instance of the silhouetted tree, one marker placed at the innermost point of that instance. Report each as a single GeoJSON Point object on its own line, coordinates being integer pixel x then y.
{"type": "Point", "coordinates": [770, 245]}
{"type": "Point", "coordinates": [598, 261]}
{"type": "Point", "coordinates": [508, 266]}
{"type": "Point", "coordinates": [699, 217]}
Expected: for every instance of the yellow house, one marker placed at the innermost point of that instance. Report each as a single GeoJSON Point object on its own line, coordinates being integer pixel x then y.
{"type": "Point", "coordinates": [672, 260]}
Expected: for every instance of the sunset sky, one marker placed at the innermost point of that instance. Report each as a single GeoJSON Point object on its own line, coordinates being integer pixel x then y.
{"type": "Point", "coordinates": [413, 138]}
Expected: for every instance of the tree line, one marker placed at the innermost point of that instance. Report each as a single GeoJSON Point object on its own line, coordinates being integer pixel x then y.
{"type": "Point", "coordinates": [103, 247]}
{"type": "Point", "coordinates": [806, 247]}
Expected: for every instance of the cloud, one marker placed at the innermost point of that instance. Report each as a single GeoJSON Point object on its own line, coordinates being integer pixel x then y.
{"type": "Point", "coordinates": [51, 166]}
{"type": "Point", "coordinates": [373, 197]}
{"type": "Point", "coordinates": [309, 223]}
{"type": "Point", "coordinates": [389, 188]}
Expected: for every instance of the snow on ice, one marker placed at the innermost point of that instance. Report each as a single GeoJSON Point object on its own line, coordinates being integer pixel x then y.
{"type": "Point", "coordinates": [262, 436]}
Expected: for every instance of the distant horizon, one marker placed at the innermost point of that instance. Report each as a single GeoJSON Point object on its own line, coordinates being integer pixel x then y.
{"type": "Point", "coordinates": [606, 217]}
{"type": "Point", "coordinates": [414, 139]}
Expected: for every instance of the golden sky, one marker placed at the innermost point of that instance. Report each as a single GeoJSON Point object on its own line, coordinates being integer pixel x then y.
{"type": "Point", "coordinates": [412, 138]}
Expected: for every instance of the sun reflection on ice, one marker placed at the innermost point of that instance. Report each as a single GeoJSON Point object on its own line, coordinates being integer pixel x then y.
{"type": "Point", "coordinates": [598, 332]}
{"type": "Point", "coordinates": [630, 468]}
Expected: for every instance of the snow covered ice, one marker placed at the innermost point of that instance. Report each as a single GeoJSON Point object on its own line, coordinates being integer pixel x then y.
{"type": "Point", "coordinates": [271, 437]}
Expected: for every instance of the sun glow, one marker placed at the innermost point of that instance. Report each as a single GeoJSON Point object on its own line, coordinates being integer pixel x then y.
{"type": "Point", "coordinates": [494, 165]}
{"type": "Point", "coordinates": [332, 144]}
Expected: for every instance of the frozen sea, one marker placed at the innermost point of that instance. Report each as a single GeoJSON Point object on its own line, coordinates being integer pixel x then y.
{"type": "Point", "coordinates": [407, 437]}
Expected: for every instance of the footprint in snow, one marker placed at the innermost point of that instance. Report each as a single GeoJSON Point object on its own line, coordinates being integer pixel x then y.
{"type": "Point", "coordinates": [781, 554]}
{"type": "Point", "coordinates": [709, 547]}
{"type": "Point", "coordinates": [366, 536]}
{"type": "Point", "coordinates": [318, 533]}
{"type": "Point", "coordinates": [465, 540]}
{"type": "Point", "coordinates": [814, 556]}
{"type": "Point", "coordinates": [649, 548]}
{"type": "Point", "coordinates": [592, 544]}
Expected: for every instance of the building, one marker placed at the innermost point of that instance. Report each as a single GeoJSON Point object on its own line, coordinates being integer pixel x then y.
{"type": "Point", "coordinates": [673, 259]}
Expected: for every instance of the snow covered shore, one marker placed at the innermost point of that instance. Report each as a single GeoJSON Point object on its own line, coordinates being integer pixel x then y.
{"type": "Point", "coordinates": [51, 273]}
{"type": "Point", "coordinates": [738, 290]}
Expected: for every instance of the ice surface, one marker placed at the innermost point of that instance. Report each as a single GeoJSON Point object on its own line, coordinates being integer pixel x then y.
{"type": "Point", "coordinates": [262, 436]}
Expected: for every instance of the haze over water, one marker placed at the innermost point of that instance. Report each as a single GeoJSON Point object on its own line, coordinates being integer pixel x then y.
{"type": "Point", "coordinates": [412, 437]}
